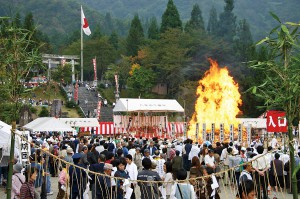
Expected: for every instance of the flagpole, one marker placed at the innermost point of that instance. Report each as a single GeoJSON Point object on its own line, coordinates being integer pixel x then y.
{"type": "Point", "coordinates": [81, 48]}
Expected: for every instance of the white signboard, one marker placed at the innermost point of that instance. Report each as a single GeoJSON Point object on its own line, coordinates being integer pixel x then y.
{"type": "Point", "coordinates": [204, 132]}
{"type": "Point", "coordinates": [249, 134]}
{"type": "Point", "coordinates": [25, 147]}
{"type": "Point", "coordinates": [221, 132]}
{"type": "Point", "coordinates": [240, 133]}
{"type": "Point", "coordinates": [212, 133]}
{"type": "Point", "coordinates": [231, 130]}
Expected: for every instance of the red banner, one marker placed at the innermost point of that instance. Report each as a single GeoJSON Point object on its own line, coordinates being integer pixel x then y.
{"type": "Point", "coordinates": [99, 110]}
{"type": "Point", "coordinates": [276, 121]}
{"type": "Point", "coordinates": [95, 69]}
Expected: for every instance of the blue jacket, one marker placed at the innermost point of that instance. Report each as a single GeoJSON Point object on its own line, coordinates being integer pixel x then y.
{"type": "Point", "coordinates": [153, 150]}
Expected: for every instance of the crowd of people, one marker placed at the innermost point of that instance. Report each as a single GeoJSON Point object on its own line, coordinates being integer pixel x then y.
{"type": "Point", "coordinates": [150, 168]}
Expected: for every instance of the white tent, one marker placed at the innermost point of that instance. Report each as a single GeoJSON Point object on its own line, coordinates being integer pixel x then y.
{"type": "Point", "coordinates": [5, 139]}
{"type": "Point", "coordinates": [147, 105]}
{"type": "Point", "coordinates": [48, 124]}
{"type": "Point", "coordinates": [81, 122]}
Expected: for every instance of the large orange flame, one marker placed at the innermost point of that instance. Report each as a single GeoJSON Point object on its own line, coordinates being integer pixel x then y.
{"type": "Point", "coordinates": [217, 102]}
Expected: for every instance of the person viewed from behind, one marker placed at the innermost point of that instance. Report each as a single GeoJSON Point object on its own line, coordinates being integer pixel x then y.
{"type": "Point", "coordinates": [276, 173]}
{"type": "Point", "coordinates": [168, 178]}
{"type": "Point", "coordinates": [27, 188]}
{"type": "Point", "coordinates": [17, 180]}
{"type": "Point", "coordinates": [183, 190]}
{"type": "Point", "coordinates": [103, 183]}
{"type": "Point", "coordinates": [148, 189]}
{"type": "Point", "coordinates": [246, 190]}
{"type": "Point", "coordinates": [261, 165]}
{"type": "Point", "coordinates": [195, 172]}
{"type": "Point", "coordinates": [177, 164]}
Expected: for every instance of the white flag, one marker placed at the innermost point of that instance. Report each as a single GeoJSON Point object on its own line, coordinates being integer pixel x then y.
{"type": "Point", "coordinates": [85, 24]}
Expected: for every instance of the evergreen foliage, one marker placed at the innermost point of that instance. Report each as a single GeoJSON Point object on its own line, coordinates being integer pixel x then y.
{"type": "Point", "coordinates": [135, 37]}
{"type": "Point", "coordinates": [196, 21]}
{"type": "Point", "coordinates": [153, 31]}
{"type": "Point", "coordinates": [227, 22]}
{"type": "Point", "coordinates": [212, 25]}
{"type": "Point", "coordinates": [170, 18]}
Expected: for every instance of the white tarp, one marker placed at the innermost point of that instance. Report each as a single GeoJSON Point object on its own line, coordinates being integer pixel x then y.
{"type": "Point", "coordinates": [259, 123]}
{"type": "Point", "coordinates": [48, 124]}
{"type": "Point", "coordinates": [81, 122]}
{"type": "Point", "coordinates": [5, 139]}
{"type": "Point", "coordinates": [147, 105]}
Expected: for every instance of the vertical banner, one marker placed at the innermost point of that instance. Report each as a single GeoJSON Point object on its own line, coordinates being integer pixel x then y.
{"type": "Point", "coordinates": [204, 132]}
{"type": "Point", "coordinates": [240, 133]}
{"type": "Point", "coordinates": [98, 110]}
{"type": "Point", "coordinates": [212, 133]}
{"type": "Point", "coordinates": [231, 130]}
{"type": "Point", "coordinates": [249, 135]}
{"type": "Point", "coordinates": [95, 69]}
{"type": "Point", "coordinates": [76, 92]}
{"type": "Point", "coordinates": [173, 129]}
{"type": "Point", "coordinates": [197, 131]}
{"type": "Point", "coordinates": [117, 84]}
{"type": "Point", "coordinates": [25, 147]}
{"type": "Point", "coordinates": [160, 130]}
{"type": "Point", "coordinates": [221, 132]}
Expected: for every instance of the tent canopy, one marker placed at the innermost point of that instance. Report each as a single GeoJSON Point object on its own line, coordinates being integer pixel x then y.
{"type": "Point", "coordinates": [260, 123]}
{"type": "Point", "coordinates": [147, 105]}
{"type": "Point", "coordinates": [48, 124]}
{"type": "Point", "coordinates": [5, 139]}
{"type": "Point", "coordinates": [81, 122]}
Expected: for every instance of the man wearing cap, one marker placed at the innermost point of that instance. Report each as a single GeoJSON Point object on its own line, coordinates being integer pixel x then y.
{"type": "Point", "coordinates": [147, 155]}
{"type": "Point", "coordinates": [69, 158]}
{"type": "Point", "coordinates": [17, 180]}
{"type": "Point", "coordinates": [77, 178]}
{"type": "Point", "coordinates": [84, 152]}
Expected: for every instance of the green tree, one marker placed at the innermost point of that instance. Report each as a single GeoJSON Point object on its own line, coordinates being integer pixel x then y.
{"type": "Point", "coordinates": [227, 22]}
{"type": "Point", "coordinates": [114, 40]}
{"type": "Point", "coordinates": [17, 21]}
{"type": "Point", "coordinates": [135, 37]}
{"type": "Point", "coordinates": [142, 79]}
{"type": "Point", "coordinates": [244, 47]}
{"type": "Point", "coordinates": [108, 25]}
{"type": "Point", "coordinates": [16, 60]}
{"type": "Point", "coordinates": [196, 21]}
{"type": "Point", "coordinates": [44, 112]}
{"type": "Point", "coordinates": [280, 90]}
{"type": "Point", "coordinates": [96, 33]}
{"type": "Point", "coordinates": [212, 25]}
{"type": "Point", "coordinates": [170, 18]}
{"type": "Point", "coordinates": [153, 30]}
{"type": "Point", "coordinates": [62, 72]}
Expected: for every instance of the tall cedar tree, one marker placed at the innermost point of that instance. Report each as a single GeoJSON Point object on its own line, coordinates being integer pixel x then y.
{"type": "Point", "coordinates": [170, 18]}
{"type": "Point", "coordinates": [114, 40]}
{"type": "Point", "coordinates": [135, 37]}
{"type": "Point", "coordinates": [244, 47]}
{"type": "Point", "coordinates": [153, 31]}
{"type": "Point", "coordinates": [196, 21]}
{"type": "Point", "coordinates": [17, 21]}
{"type": "Point", "coordinates": [108, 25]}
{"type": "Point", "coordinates": [227, 22]}
{"type": "Point", "coordinates": [212, 25]}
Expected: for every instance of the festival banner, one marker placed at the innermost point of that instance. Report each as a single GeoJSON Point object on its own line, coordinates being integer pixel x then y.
{"type": "Point", "coordinates": [212, 133]}
{"type": "Point", "coordinates": [240, 133]}
{"type": "Point", "coordinates": [204, 132]}
{"type": "Point", "coordinates": [25, 147]}
{"type": "Point", "coordinates": [249, 134]}
{"type": "Point", "coordinates": [276, 121]}
{"type": "Point", "coordinates": [76, 92]}
{"type": "Point", "coordinates": [231, 130]}
{"type": "Point", "coordinates": [221, 132]}
{"type": "Point", "coordinates": [99, 110]}
{"type": "Point", "coordinates": [95, 69]}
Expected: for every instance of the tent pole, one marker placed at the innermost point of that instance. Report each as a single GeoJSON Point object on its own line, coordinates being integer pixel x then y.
{"type": "Point", "coordinates": [11, 160]}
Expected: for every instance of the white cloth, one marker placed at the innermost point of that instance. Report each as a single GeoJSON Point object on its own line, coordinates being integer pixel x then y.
{"type": "Point", "coordinates": [132, 171]}
{"type": "Point", "coordinates": [99, 148]}
{"type": "Point", "coordinates": [160, 166]}
{"type": "Point", "coordinates": [261, 162]}
{"type": "Point", "coordinates": [195, 150]}
{"type": "Point", "coordinates": [131, 152]}
{"type": "Point", "coordinates": [209, 160]}
{"type": "Point", "coordinates": [179, 148]}
{"type": "Point", "coordinates": [168, 177]}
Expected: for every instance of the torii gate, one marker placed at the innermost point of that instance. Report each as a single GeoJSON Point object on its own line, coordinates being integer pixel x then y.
{"type": "Point", "coordinates": [61, 59]}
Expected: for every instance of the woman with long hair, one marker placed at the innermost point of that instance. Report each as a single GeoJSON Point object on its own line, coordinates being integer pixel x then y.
{"type": "Point", "coordinates": [195, 172]}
